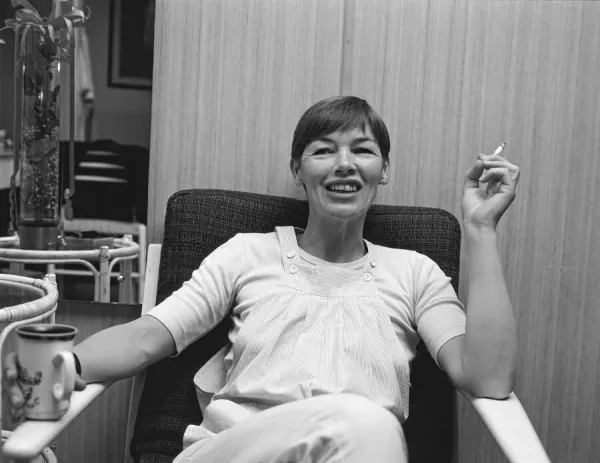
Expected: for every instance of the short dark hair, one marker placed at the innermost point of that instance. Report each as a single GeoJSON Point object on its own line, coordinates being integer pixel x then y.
{"type": "Point", "coordinates": [339, 113]}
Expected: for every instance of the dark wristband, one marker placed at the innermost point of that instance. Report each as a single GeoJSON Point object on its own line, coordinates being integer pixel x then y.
{"type": "Point", "coordinates": [77, 364]}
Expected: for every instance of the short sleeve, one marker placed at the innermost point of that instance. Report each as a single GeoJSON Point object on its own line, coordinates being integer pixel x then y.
{"type": "Point", "coordinates": [439, 315]}
{"type": "Point", "coordinates": [204, 300]}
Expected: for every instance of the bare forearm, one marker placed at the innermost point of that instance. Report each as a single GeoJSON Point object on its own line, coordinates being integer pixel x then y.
{"type": "Point", "coordinates": [124, 350]}
{"type": "Point", "coordinates": [489, 353]}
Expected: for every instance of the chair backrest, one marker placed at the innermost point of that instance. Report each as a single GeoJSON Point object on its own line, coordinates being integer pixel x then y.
{"type": "Point", "coordinates": [111, 180]}
{"type": "Point", "coordinates": [197, 222]}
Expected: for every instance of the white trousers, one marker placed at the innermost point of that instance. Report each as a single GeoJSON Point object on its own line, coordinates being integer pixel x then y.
{"type": "Point", "coordinates": [324, 429]}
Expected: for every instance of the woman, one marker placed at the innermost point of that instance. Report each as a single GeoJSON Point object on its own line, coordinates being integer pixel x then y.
{"type": "Point", "coordinates": [326, 323]}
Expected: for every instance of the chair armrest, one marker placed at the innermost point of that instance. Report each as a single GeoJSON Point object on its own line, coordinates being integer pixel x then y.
{"type": "Point", "coordinates": [29, 439]}
{"type": "Point", "coordinates": [151, 277]}
{"type": "Point", "coordinates": [510, 426]}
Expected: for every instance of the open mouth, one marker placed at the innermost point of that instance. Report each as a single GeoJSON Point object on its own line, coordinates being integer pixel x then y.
{"type": "Point", "coordinates": [342, 189]}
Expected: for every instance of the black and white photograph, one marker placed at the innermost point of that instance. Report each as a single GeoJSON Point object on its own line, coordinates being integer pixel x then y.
{"type": "Point", "coordinates": [300, 231]}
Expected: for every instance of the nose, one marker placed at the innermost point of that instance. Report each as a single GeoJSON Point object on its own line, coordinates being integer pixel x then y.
{"type": "Point", "coordinates": [345, 162]}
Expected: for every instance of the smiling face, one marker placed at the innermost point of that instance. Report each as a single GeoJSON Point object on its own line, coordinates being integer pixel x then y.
{"type": "Point", "coordinates": [341, 172]}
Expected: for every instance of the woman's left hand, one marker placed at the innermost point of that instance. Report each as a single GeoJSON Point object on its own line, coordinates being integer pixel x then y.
{"type": "Point", "coordinates": [483, 208]}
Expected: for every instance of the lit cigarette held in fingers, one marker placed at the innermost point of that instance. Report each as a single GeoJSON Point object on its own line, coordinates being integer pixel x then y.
{"type": "Point", "coordinates": [499, 149]}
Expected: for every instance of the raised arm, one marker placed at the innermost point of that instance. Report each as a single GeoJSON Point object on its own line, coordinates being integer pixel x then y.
{"type": "Point", "coordinates": [483, 362]}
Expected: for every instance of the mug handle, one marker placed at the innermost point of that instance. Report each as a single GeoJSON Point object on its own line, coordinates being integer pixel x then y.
{"type": "Point", "coordinates": [65, 361]}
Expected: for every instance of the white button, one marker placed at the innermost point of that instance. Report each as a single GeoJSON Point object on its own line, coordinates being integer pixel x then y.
{"type": "Point", "coordinates": [367, 276]}
{"type": "Point", "coordinates": [293, 269]}
{"type": "Point", "coordinates": [373, 264]}
{"type": "Point", "coordinates": [291, 254]}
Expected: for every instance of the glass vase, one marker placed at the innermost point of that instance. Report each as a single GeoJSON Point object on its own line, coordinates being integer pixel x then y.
{"type": "Point", "coordinates": [39, 67]}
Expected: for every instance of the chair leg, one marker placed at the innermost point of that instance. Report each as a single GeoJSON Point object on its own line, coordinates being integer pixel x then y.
{"type": "Point", "coordinates": [104, 295]}
{"type": "Point", "coordinates": [126, 286]}
{"type": "Point", "coordinates": [96, 287]}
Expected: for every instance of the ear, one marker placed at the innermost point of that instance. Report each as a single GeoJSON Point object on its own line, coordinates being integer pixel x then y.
{"type": "Point", "coordinates": [385, 172]}
{"type": "Point", "coordinates": [295, 168]}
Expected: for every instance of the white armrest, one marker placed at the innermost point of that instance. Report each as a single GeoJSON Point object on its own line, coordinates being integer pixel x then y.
{"type": "Point", "coordinates": [151, 277]}
{"type": "Point", "coordinates": [29, 439]}
{"type": "Point", "coordinates": [510, 426]}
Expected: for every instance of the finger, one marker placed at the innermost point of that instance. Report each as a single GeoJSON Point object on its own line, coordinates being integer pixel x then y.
{"type": "Point", "coordinates": [11, 392]}
{"type": "Point", "coordinates": [10, 367]}
{"type": "Point", "coordinates": [17, 415]}
{"type": "Point", "coordinates": [79, 384]}
{"type": "Point", "coordinates": [516, 175]}
{"type": "Point", "coordinates": [492, 188]}
{"type": "Point", "coordinates": [473, 174]}
{"type": "Point", "coordinates": [514, 170]}
{"type": "Point", "coordinates": [15, 396]}
{"type": "Point", "coordinates": [499, 163]}
{"type": "Point", "coordinates": [499, 174]}
{"type": "Point", "coordinates": [491, 157]}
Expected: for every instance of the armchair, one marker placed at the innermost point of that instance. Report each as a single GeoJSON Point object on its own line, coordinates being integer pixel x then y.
{"type": "Point", "coordinates": [197, 221]}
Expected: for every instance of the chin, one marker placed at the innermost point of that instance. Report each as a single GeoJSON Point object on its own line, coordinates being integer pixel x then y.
{"type": "Point", "coordinates": [345, 212]}
{"type": "Point", "coordinates": [340, 210]}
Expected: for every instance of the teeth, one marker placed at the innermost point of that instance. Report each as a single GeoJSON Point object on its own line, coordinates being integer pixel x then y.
{"type": "Point", "coordinates": [348, 188]}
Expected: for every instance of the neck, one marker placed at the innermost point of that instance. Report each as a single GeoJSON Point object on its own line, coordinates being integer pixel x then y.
{"type": "Point", "coordinates": [332, 240]}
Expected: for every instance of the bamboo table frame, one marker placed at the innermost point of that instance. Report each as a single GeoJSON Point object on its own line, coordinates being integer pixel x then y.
{"type": "Point", "coordinates": [124, 252]}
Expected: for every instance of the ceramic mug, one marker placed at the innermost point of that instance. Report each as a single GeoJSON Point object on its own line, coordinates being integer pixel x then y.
{"type": "Point", "coordinates": [46, 369]}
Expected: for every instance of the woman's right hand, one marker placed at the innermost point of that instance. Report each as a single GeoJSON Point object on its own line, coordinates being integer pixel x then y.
{"type": "Point", "coordinates": [13, 391]}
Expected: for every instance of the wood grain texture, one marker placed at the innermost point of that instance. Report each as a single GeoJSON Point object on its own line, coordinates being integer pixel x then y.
{"type": "Point", "coordinates": [230, 82]}
{"type": "Point", "coordinates": [450, 79]}
{"type": "Point", "coordinates": [98, 434]}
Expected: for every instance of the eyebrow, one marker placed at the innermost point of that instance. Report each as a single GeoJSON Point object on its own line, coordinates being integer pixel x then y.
{"type": "Point", "coordinates": [322, 139]}
{"type": "Point", "coordinates": [363, 139]}
{"type": "Point", "coordinates": [357, 141]}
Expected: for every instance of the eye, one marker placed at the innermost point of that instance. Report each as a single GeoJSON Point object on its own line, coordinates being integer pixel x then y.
{"type": "Point", "coordinates": [362, 149]}
{"type": "Point", "coordinates": [323, 151]}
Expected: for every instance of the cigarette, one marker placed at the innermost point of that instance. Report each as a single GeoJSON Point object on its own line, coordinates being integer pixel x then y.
{"type": "Point", "coordinates": [500, 148]}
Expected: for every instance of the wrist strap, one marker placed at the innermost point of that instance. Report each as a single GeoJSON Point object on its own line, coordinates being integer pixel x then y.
{"type": "Point", "coordinates": [77, 364]}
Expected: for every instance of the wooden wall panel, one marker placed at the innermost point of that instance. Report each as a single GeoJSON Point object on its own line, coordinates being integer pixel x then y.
{"type": "Point", "coordinates": [450, 79]}
{"type": "Point", "coordinates": [231, 80]}
{"type": "Point", "coordinates": [456, 78]}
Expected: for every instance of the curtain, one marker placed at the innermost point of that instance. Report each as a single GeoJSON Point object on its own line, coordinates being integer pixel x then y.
{"type": "Point", "coordinates": [84, 86]}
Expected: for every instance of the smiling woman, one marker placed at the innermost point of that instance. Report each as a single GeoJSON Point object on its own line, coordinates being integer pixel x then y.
{"type": "Point", "coordinates": [326, 323]}
{"type": "Point", "coordinates": [324, 312]}
{"type": "Point", "coordinates": [340, 154]}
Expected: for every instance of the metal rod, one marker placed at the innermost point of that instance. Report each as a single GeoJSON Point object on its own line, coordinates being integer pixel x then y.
{"type": "Point", "coordinates": [17, 110]}
{"type": "Point", "coordinates": [104, 275]}
{"type": "Point", "coordinates": [72, 118]}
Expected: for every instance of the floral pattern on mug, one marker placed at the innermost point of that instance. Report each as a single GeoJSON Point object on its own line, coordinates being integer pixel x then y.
{"type": "Point", "coordinates": [27, 382]}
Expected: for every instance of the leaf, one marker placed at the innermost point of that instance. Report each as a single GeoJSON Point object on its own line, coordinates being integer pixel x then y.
{"type": "Point", "coordinates": [56, 92]}
{"type": "Point", "coordinates": [30, 88]}
{"type": "Point", "coordinates": [39, 78]}
{"type": "Point", "coordinates": [39, 148]}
